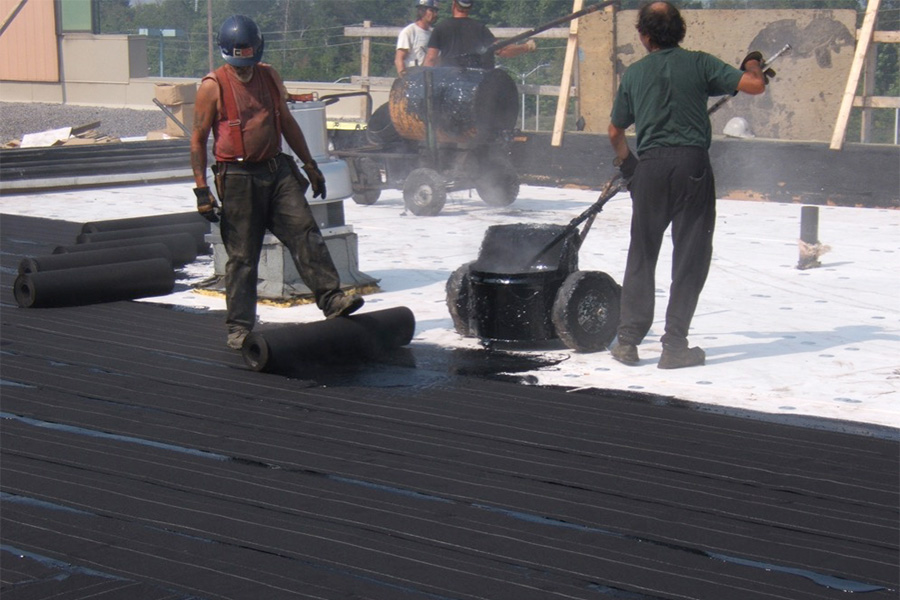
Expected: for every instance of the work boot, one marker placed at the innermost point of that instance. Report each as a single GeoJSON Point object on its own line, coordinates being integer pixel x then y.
{"type": "Point", "coordinates": [236, 338]}
{"type": "Point", "coordinates": [626, 354]}
{"type": "Point", "coordinates": [342, 305]}
{"type": "Point", "coordinates": [681, 357]}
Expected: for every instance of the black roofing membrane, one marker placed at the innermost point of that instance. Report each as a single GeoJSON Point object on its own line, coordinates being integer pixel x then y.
{"type": "Point", "coordinates": [139, 458]}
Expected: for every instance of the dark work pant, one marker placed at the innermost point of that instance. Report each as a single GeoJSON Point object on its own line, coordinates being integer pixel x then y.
{"type": "Point", "coordinates": [269, 196]}
{"type": "Point", "coordinates": [670, 186]}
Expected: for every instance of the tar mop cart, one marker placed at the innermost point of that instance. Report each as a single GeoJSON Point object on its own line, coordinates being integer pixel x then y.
{"type": "Point", "coordinates": [525, 286]}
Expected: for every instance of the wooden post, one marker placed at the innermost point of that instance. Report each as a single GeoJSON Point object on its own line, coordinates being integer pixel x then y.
{"type": "Point", "coordinates": [566, 83]}
{"type": "Point", "coordinates": [868, 115]}
{"type": "Point", "coordinates": [859, 59]}
{"type": "Point", "coordinates": [366, 52]}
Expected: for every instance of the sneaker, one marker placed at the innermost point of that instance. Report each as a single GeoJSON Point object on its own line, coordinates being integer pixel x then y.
{"type": "Point", "coordinates": [236, 338]}
{"type": "Point", "coordinates": [343, 305]}
{"type": "Point", "coordinates": [682, 357]}
{"type": "Point", "coordinates": [626, 354]}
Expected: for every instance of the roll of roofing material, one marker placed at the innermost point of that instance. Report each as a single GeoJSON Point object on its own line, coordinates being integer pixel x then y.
{"type": "Point", "coordinates": [196, 230]}
{"type": "Point", "coordinates": [98, 283]}
{"type": "Point", "coordinates": [182, 245]}
{"type": "Point", "coordinates": [54, 262]}
{"type": "Point", "coordinates": [332, 341]}
{"type": "Point", "coordinates": [137, 222]}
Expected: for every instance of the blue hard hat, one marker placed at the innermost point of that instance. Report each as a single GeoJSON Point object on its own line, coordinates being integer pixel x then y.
{"type": "Point", "coordinates": [241, 41]}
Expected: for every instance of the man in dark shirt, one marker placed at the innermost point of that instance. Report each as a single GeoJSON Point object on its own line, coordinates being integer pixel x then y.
{"type": "Point", "coordinates": [463, 41]}
{"type": "Point", "coordinates": [664, 95]}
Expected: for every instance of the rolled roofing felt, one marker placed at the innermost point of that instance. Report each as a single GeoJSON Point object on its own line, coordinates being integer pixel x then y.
{"type": "Point", "coordinates": [182, 245]}
{"type": "Point", "coordinates": [149, 221]}
{"type": "Point", "coordinates": [98, 283]}
{"type": "Point", "coordinates": [332, 341]}
{"type": "Point", "coordinates": [196, 230]}
{"type": "Point", "coordinates": [54, 262]}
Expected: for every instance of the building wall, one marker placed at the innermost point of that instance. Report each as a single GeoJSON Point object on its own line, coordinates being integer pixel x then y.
{"type": "Point", "coordinates": [802, 103]}
{"type": "Point", "coordinates": [28, 50]}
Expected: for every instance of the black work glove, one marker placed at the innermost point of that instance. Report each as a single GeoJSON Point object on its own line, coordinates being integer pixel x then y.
{"type": "Point", "coordinates": [206, 204]}
{"type": "Point", "coordinates": [757, 56]}
{"type": "Point", "coordinates": [627, 166]}
{"type": "Point", "coordinates": [316, 179]}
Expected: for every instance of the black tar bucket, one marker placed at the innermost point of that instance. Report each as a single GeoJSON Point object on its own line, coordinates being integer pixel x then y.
{"type": "Point", "coordinates": [511, 300]}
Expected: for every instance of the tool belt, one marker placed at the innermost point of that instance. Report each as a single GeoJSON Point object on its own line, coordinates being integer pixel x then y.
{"type": "Point", "coordinates": [263, 167]}
{"type": "Point", "coordinates": [244, 167]}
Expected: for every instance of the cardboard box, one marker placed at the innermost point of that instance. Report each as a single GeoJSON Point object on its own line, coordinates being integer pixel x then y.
{"type": "Point", "coordinates": [173, 94]}
{"type": "Point", "coordinates": [185, 114]}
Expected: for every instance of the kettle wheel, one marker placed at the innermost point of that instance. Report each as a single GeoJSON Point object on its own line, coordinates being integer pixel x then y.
{"type": "Point", "coordinates": [424, 192]}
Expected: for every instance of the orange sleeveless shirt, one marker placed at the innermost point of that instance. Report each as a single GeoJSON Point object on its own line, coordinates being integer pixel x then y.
{"type": "Point", "coordinates": [257, 114]}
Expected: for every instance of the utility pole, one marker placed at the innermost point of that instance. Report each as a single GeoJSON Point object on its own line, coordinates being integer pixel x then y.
{"type": "Point", "coordinates": [209, 30]}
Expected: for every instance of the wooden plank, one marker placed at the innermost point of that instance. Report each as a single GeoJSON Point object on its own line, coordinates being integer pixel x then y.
{"type": "Point", "coordinates": [856, 68]}
{"type": "Point", "coordinates": [568, 66]}
{"type": "Point", "coordinates": [499, 32]}
{"type": "Point", "coordinates": [876, 102]}
{"type": "Point", "coordinates": [886, 37]}
{"type": "Point", "coordinates": [366, 52]}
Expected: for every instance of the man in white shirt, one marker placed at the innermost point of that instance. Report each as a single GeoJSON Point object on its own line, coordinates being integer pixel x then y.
{"type": "Point", "coordinates": [412, 43]}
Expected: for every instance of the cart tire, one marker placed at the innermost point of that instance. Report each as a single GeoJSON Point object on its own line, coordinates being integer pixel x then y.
{"type": "Point", "coordinates": [424, 192]}
{"type": "Point", "coordinates": [366, 197]}
{"type": "Point", "coordinates": [368, 175]}
{"type": "Point", "coordinates": [498, 183]}
{"type": "Point", "coordinates": [586, 311]}
{"type": "Point", "coordinates": [458, 291]}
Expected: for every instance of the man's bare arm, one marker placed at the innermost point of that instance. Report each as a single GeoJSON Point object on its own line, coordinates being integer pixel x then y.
{"type": "Point", "coordinates": [400, 60]}
{"type": "Point", "coordinates": [205, 111]}
{"type": "Point", "coordinates": [618, 141]}
{"type": "Point", "coordinates": [290, 129]}
{"type": "Point", "coordinates": [432, 57]}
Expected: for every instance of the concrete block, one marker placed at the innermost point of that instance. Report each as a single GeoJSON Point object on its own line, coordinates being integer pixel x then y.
{"type": "Point", "coordinates": [278, 276]}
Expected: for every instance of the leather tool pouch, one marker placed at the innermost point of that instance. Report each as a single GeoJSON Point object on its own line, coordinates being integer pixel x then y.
{"type": "Point", "coordinates": [295, 168]}
{"type": "Point", "coordinates": [218, 170]}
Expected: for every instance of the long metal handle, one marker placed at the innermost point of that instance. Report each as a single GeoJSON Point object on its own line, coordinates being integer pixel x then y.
{"type": "Point", "coordinates": [766, 64]}
{"type": "Point", "coordinates": [612, 187]}
{"type": "Point", "coordinates": [565, 19]}
{"type": "Point", "coordinates": [175, 119]}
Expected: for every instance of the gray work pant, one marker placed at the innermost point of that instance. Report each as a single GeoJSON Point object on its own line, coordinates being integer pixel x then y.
{"type": "Point", "coordinates": [670, 186]}
{"type": "Point", "coordinates": [268, 196]}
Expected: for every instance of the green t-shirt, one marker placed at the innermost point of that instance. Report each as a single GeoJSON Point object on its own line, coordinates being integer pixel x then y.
{"type": "Point", "coordinates": [665, 95]}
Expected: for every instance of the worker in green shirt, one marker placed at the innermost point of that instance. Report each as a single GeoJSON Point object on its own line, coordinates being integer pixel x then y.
{"type": "Point", "coordinates": [665, 95]}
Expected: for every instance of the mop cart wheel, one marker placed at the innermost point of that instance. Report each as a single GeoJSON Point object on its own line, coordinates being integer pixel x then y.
{"type": "Point", "coordinates": [458, 293]}
{"type": "Point", "coordinates": [424, 192]}
{"type": "Point", "coordinates": [586, 311]}
{"type": "Point", "coordinates": [498, 183]}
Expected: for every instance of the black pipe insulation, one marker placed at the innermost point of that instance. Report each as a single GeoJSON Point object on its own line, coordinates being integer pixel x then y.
{"type": "Point", "coordinates": [343, 340]}
{"type": "Point", "coordinates": [182, 245]}
{"type": "Point", "coordinates": [197, 231]}
{"type": "Point", "coordinates": [99, 283]}
{"type": "Point", "coordinates": [54, 262]}
{"type": "Point", "coordinates": [148, 221]}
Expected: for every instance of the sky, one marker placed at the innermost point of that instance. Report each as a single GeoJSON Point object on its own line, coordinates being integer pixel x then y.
{"type": "Point", "coordinates": [781, 343]}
